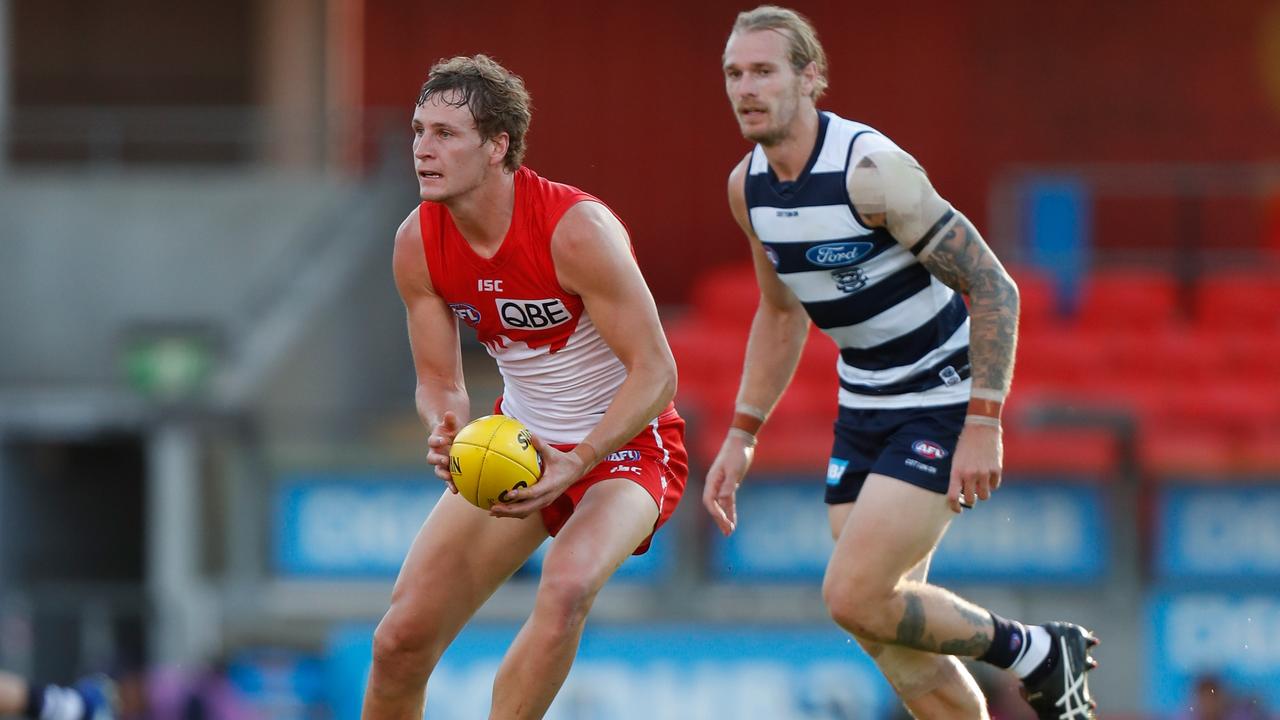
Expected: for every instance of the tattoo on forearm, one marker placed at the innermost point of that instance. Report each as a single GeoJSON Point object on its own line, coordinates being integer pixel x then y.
{"type": "Point", "coordinates": [964, 262]}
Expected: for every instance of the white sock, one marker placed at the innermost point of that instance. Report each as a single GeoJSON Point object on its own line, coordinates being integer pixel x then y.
{"type": "Point", "coordinates": [1034, 650]}
{"type": "Point", "coordinates": [62, 703]}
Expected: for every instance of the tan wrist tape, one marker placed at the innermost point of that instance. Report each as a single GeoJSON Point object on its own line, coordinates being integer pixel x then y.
{"type": "Point", "coordinates": [749, 424]}
{"type": "Point", "coordinates": [985, 407]}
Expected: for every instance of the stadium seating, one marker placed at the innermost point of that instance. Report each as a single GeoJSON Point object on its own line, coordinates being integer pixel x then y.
{"type": "Point", "coordinates": [1196, 376]}
{"type": "Point", "coordinates": [1138, 300]}
{"type": "Point", "coordinates": [1240, 300]}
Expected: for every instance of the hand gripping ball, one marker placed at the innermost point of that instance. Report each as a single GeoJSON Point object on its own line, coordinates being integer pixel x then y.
{"type": "Point", "coordinates": [490, 456]}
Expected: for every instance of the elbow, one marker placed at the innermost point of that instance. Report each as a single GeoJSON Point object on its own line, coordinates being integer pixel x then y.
{"type": "Point", "coordinates": [670, 380]}
{"type": "Point", "coordinates": [1014, 296]}
{"type": "Point", "coordinates": [663, 378]}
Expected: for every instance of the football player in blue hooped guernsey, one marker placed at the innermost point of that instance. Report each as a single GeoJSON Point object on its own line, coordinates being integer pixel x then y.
{"type": "Point", "coordinates": [846, 230]}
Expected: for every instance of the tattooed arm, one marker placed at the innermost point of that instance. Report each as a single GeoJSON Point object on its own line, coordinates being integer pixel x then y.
{"type": "Point", "coordinates": [890, 189]}
{"type": "Point", "coordinates": [963, 261]}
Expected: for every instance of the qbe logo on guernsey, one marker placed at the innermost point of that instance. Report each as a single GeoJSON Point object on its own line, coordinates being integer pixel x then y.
{"type": "Point", "coordinates": [532, 314]}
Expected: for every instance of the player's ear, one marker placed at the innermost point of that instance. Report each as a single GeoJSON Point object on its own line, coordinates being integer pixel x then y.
{"type": "Point", "coordinates": [498, 145]}
{"type": "Point", "coordinates": [808, 78]}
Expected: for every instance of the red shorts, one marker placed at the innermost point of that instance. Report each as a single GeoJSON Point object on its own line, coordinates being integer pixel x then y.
{"type": "Point", "coordinates": [655, 460]}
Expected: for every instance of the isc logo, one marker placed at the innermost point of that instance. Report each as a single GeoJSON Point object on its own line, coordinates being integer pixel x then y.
{"type": "Point", "coordinates": [532, 314]}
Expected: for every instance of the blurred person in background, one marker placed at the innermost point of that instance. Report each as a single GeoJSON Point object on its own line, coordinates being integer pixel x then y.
{"type": "Point", "coordinates": [92, 698]}
{"type": "Point", "coordinates": [846, 229]}
{"type": "Point", "coordinates": [187, 692]}
{"type": "Point", "coordinates": [1213, 700]}
{"type": "Point", "coordinates": [545, 274]}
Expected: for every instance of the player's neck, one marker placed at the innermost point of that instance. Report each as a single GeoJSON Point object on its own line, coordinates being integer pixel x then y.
{"type": "Point", "coordinates": [789, 156]}
{"type": "Point", "coordinates": [483, 215]}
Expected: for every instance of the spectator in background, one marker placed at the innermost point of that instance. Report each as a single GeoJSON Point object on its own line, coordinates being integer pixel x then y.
{"type": "Point", "coordinates": [181, 693]}
{"type": "Point", "coordinates": [92, 698]}
{"type": "Point", "coordinates": [1214, 700]}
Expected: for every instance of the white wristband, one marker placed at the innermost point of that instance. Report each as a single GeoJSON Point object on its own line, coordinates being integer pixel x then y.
{"type": "Point", "coordinates": [982, 420]}
{"type": "Point", "coordinates": [746, 436]}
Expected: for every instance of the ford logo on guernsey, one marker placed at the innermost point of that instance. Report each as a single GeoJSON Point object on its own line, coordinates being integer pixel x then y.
{"type": "Point", "coordinates": [838, 254]}
{"type": "Point", "coordinates": [929, 450]}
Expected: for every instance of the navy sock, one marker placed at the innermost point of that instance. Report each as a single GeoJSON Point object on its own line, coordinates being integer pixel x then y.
{"type": "Point", "coordinates": [1008, 644]}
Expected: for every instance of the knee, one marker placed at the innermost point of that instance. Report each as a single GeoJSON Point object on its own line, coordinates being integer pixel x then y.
{"type": "Point", "coordinates": [565, 597]}
{"type": "Point", "coordinates": [405, 645]}
{"type": "Point", "coordinates": [858, 604]}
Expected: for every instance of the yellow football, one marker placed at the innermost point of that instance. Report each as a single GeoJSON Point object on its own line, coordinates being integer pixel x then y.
{"type": "Point", "coordinates": [490, 456]}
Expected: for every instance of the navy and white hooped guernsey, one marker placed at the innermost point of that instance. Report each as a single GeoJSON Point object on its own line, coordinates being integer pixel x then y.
{"type": "Point", "coordinates": [903, 335]}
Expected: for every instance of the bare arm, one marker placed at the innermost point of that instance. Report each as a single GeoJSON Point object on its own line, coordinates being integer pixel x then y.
{"type": "Point", "coordinates": [892, 190]}
{"type": "Point", "coordinates": [780, 326]}
{"type": "Point", "coordinates": [778, 332]}
{"type": "Point", "coordinates": [440, 394]}
{"type": "Point", "coordinates": [962, 260]}
{"type": "Point", "coordinates": [593, 260]}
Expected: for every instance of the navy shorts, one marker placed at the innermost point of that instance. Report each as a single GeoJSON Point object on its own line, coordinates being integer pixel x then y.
{"type": "Point", "coordinates": [911, 444]}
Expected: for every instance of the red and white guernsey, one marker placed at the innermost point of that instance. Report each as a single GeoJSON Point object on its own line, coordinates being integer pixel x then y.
{"type": "Point", "coordinates": [559, 375]}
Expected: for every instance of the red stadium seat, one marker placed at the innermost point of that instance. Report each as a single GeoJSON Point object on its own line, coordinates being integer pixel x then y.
{"type": "Point", "coordinates": [1237, 409]}
{"type": "Point", "coordinates": [1037, 294]}
{"type": "Point", "coordinates": [1058, 451]}
{"type": "Point", "coordinates": [1259, 452]}
{"type": "Point", "coordinates": [727, 295]}
{"type": "Point", "coordinates": [799, 449]}
{"type": "Point", "coordinates": [1204, 451]}
{"type": "Point", "coordinates": [1137, 300]}
{"type": "Point", "coordinates": [1059, 359]}
{"type": "Point", "coordinates": [1168, 356]}
{"type": "Point", "coordinates": [1243, 355]}
{"type": "Point", "coordinates": [1247, 301]}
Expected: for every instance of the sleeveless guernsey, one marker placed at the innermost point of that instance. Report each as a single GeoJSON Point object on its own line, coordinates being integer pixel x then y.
{"type": "Point", "coordinates": [903, 335]}
{"type": "Point", "coordinates": [558, 374]}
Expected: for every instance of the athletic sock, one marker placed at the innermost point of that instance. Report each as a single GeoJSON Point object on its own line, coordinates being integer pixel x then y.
{"type": "Point", "coordinates": [54, 702]}
{"type": "Point", "coordinates": [1039, 645]}
{"type": "Point", "coordinates": [1008, 645]}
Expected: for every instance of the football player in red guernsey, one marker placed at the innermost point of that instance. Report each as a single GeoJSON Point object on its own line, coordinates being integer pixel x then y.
{"type": "Point", "coordinates": [545, 275]}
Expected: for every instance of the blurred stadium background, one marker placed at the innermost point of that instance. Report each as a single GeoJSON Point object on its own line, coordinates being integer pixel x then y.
{"type": "Point", "coordinates": [210, 466]}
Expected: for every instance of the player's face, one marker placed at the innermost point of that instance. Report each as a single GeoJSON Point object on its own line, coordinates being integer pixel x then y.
{"type": "Point", "coordinates": [766, 93]}
{"type": "Point", "coordinates": [448, 154]}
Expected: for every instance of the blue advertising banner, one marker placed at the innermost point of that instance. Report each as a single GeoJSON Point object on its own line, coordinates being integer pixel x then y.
{"type": "Point", "coordinates": [1234, 637]}
{"type": "Point", "coordinates": [361, 527]}
{"type": "Point", "coordinates": [649, 672]}
{"type": "Point", "coordinates": [1219, 533]}
{"type": "Point", "coordinates": [346, 526]}
{"type": "Point", "coordinates": [1025, 534]}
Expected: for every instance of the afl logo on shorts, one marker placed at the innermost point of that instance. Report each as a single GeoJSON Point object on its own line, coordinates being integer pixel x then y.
{"type": "Point", "coordinates": [466, 313]}
{"type": "Point", "coordinates": [928, 450]}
